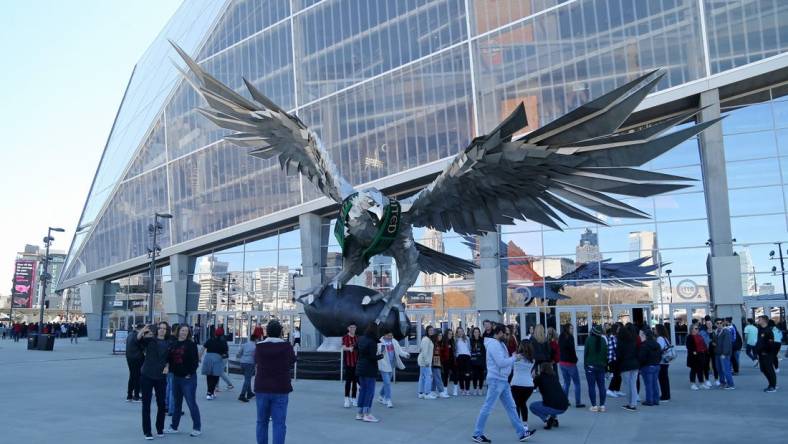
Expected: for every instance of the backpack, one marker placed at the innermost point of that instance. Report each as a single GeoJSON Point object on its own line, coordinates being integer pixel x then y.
{"type": "Point", "coordinates": [668, 353]}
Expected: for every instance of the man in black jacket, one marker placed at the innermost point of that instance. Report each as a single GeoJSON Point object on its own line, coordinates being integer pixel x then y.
{"type": "Point", "coordinates": [134, 359]}
{"type": "Point", "coordinates": [763, 348]}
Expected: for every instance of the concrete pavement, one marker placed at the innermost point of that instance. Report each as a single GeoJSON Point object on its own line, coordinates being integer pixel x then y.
{"type": "Point", "coordinates": [76, 394]}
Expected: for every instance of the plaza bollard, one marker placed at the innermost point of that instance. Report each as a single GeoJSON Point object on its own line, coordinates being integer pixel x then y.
{"type": "Point", "coordinates": [32, 342]}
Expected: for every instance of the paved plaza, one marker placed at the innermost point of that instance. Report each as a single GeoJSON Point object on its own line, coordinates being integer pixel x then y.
{"type": "Point", "coordinates": [76, 394]}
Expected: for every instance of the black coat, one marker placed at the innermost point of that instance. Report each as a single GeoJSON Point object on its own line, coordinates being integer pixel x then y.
{"type": "Point", "coordinates": [627, 355]}
{"type": "Point", "coordinates": [650, 353]}
{"type": "Point", "coordinates": [566, 349]}
{"type": "Point", "coordinates": [542, 352]}
{"type": "Point", "coordinates": [367, 366]}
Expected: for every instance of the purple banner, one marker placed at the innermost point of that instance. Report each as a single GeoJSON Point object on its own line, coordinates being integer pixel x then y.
{"type": "Point", "coordinates": [24, 284]}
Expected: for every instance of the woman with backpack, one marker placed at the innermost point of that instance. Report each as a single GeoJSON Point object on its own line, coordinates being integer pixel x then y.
{"type": "Point", "coordinates": [668, 354]}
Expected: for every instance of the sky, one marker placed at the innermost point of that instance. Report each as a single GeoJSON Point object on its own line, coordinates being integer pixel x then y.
{"type": "Point", "coordinates": [65, 66]}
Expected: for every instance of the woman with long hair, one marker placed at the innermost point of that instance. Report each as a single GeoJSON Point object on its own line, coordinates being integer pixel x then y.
{"type": "Point", "coordinates": [664, 380]}
{"type": "Point", "coordinates": [478, 361]}
{"type": "Point", "coordinates": [426, 350]}
{"type": "Point", "coordinates": [555, 350]}
{"type": "Point", "coordinates": [183, 361]}
{"type": "Point", "coordinates": [522, 379]}
{"type": "Point", "coordinates": [437, 365]}
{"type": "Point", "coordinates": [568, 362]}
{"type": "Point", "coordinates": [154, 374]}
{"type": "Point", "coordinates": [448, 364]}
{"type": "Point", "coordinates": [245, 356]}
{"type": "Point", "coordinates": [696, 358]}
{"type": "Point", "coordinates": [366, 370]}
{"type": "Point", "coordinates": [541, 346]}
{"type": "Point", "coordinates": [627, 356]}
{"type": "Point", "coordinates": [462, 351]}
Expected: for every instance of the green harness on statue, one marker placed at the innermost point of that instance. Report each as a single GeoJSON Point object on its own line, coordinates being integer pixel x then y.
{"type": "Point", "coordinates": [388, 228]}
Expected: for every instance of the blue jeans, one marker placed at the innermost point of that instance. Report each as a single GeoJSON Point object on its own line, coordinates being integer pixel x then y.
{"type": "Point", "coordinates": [570, 372]}
{"type": "Point", "coordinates": [649, 374]}
{"type": "Point", "coordinates": [425, 380]}
{"type": "Point", "coordinates": [385, 391]}
{"type": "Point", "coordinates": [248, 370]}
{"type": "Point", "coordinates": [595, 377]}
{"type": "Point", "coordinates": [542, 411]}
{"type": "Point", "coordinates": [725, 369]}
{"type": "Point", "coordinates": [185, 388]}
{"type": "Point", "coordinates": [366, 393]}
{"type": "Point", "coordinates": [273, 407]}
{"type": "Point", "coordinates": [750, 350]}
{"type": "Point", "coordinates": [170, 395]}
{"type": "Point", "coordinates": [497, 389]}
{"type": "Point", "coordinates": [437, 379]}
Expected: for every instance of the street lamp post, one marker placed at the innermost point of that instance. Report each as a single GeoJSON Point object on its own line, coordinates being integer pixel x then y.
{"type": "Point", "coordinates": [782, 273]}
{"type": "Point", "coordinates": [45, 277]}
{"type": "Point", "coordinates": [670, 284]}
{"type": "Point", "coordinates": [153, 252]}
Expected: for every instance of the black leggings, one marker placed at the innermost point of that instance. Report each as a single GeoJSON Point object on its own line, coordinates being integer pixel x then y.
{"type": "Point", "coordinates": [213, 381]}
{"type": "Point", "coordinates": [521, 395]}
{"type": "Point", "coordinates": [449, 372]}
{"type": "Point", "coordinates": [615, 381]}
{"type": "Point", "coordinates": [464, 371]}
{"type": "Point", "coordinates": [776, 354]}
{"type": "Point", "coordinates": [664, 383]}
{"type": "Point", "coordinates": [477, 376]}
{"type": "Point", "coordinates": [699, 369]}
{"type": "Point", "coordinates": [351, 382]}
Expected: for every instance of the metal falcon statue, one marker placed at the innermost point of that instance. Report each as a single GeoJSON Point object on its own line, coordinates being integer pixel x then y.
{"type": "Point", "coordinates": [565, 166]}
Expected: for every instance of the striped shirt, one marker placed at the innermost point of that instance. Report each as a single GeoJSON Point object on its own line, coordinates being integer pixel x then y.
{"type": "Point", "coordinates": [351, 357]}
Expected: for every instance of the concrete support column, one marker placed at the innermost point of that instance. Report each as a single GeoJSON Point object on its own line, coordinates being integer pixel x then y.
{"type": "Point", "coordinates": [489, 293]}
{"type": "Point", "coordinates": [91, 295]}
{"type": "Point", "coordinates": [313, 257]}
{"type": "Point", "coordinates": [174, 291]}
{"type": "Point", "coordinates": [724, 267]}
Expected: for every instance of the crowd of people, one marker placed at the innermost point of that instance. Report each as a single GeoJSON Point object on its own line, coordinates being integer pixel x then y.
{"type": "Point", "coordinates": [21, 330]}
{"type": "Point", "coordinates": [163, 362]}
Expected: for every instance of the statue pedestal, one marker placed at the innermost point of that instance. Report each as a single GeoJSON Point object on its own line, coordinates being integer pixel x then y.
{"type": "Point", "coordinates": [331, 344]}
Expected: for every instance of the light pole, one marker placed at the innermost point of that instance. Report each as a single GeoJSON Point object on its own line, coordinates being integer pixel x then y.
{"type": "Point", "coordinates": [782, 273]}
{"type": "Point", "coordinates": [45, 277]}
{"type": "Point", "coordinates": [670, 284]}
{"type": "Point", "coordinates": [153, 252]}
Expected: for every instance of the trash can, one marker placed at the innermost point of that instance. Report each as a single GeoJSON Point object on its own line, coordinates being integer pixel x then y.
{"type": "Point", "coordinates": [46, 342]}
{"type": "Point", "coordinates": [32, 342]}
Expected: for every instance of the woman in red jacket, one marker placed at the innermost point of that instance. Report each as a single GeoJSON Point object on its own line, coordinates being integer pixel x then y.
{"type": "Point", "coordinates": [448, 367]}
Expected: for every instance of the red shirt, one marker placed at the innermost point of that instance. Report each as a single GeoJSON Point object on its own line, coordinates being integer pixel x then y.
{"type": "Point", "coordinates": [351, 357]}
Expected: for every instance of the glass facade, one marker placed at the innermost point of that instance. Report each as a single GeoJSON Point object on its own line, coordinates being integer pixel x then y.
{"type": "Point", "coordinates": [397, 84]}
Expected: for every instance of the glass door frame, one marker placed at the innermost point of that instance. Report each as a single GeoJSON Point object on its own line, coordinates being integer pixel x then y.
{"type": "Point", "coordinates": [417, 316]}
{"type": "Point", "coordinates": [572, 310]}
{"type": "Point", "coordinates": [521, 313]}
{"type": "Point", "coordinates": [688, 308]}
{"type": "Point", "coordinates": [463, 314]}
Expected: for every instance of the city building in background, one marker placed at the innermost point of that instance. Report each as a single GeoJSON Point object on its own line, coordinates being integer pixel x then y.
{"type": "Point", "coordinates": [394, 89]}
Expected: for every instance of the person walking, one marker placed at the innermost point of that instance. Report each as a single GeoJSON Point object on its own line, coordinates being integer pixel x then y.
{"type": "Point", "coordinates": [554, 401]}
{"type": "Point", "coordinates": [568, 362]}
{"type": "Point", "coordinates": [350, 359]}
{"type": "Point", "coordinates": [664, 365]}
{"type": "Point", "coordinates": [392, 353]}
{"type": "Point", "coordinates": [134, 360]}
{"type": "Point", "coordinates": [213, 363]}
{"type": "Point", "coordinates": [522, 379]}
{"type": "Point", "coordinates": [273, 359]}
{"type": "Point", "coordinates": [649, 355]}
{"type": "Point", "coordinates": [595, 363]}
{"type": "Point", "coordinates": [627, 357]}
{"type": "Point", "coordinates": [183, 360]}
{"type": "Point", "coordinates": [499, 366]}
{"type": "Point", "coordinates": [478, 356]}
{"type": "Point", "coordinates": [463, 361]}
{"type": "Point", "coordinates": [764, 350]}
{"type": "Point", "coordinates": [426, 352]}
{"type": "Point", "coordinates": [154, 375]}
{"type": "Point", "coordinates": [245, 357]}
{"type": "Point", "coordinates": [219, 332]}
{"type": "Point", "coordinates": [367, 370]}
{"type": "Point", "coordinates": [750, 339]}
{"type": "Point", "coordinates": [696, 358]}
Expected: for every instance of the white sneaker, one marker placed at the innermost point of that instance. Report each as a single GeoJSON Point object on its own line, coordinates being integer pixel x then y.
{"type": "Point", "coordinates": [777, 370]}
{"type": "Point", "coordinates": [347, 403]}
{"type": "Point", "coordinates": [170, 430]}
{"type": "Point", "coordinates": [612, 394]}
{"type": "Point", "coordinates": [454, 393]}
{"type": "Point", "coordinates": [707, 384]}
{"type": "Point", "coordinates": [620, 394]}
{"type": "Point", "coordinates": [210, 397]}
{"type": "Point", "coordinates": [431, 396]}
{"type": "Point", "coordinates": [370, 418]}
{"type": "Point", "coordinates": [444, 394]}
{"type": "Point", "coordinates": [195, 433]}
{"type": "Point", "coordinates": [354, 402]}
{"type": "Point", "coordinates": [389, 404]}
{"type": "Point", "coordinates": [381, 400]}
{"type": "Point", "coordinates": [359, 416]}
{"type": "Point", "coordinates": [694, 387]}
{"type": "Point", "coordinates": [421, 395]}
{"type": "Point", "coordinates": [717, 383]}
{"type": "Point", "coordinates": [148, 437]}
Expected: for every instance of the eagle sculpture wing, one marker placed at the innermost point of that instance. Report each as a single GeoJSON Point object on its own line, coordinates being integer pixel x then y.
{"type": "Point", "coordinates": [268, 129]}
{"type": "Point", "coordinates": [565, 166]}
